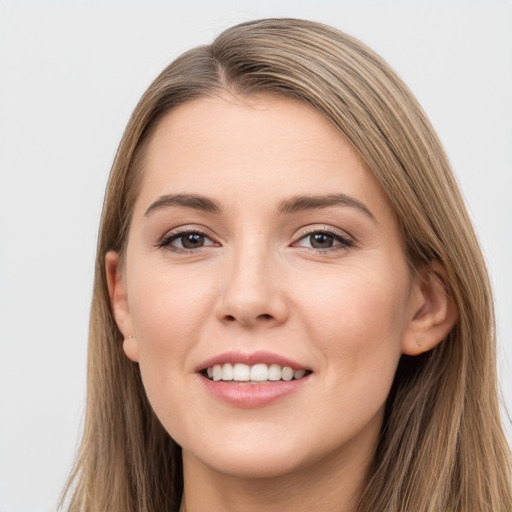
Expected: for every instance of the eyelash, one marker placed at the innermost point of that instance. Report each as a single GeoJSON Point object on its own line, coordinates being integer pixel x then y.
{"type": "Point", "coordinates": [166, 241]}
{"type": "Point", "coordinates": [344, 242]}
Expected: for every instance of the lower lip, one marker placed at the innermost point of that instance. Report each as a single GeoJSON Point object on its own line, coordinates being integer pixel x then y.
{"type": "Point", "coordinates": [251, 396]}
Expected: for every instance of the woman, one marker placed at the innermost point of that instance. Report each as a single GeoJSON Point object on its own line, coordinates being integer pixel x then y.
{"type": "Point", "coordinates": [291, 310]}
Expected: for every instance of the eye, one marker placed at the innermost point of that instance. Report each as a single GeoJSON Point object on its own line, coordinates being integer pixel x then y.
{"type": "Point", "coordinates": [324, 240]}
{"type": "Point", "coordinates": [186, 241]}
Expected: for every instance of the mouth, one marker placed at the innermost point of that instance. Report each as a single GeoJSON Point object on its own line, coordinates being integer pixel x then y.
{"type": "Point", "coordinates": [252, 380]}
{"type": "Point", "coordinates": [260, 373]}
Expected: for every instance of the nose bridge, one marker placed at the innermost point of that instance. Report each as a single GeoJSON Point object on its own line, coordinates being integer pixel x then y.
{"type": "Point", "coordinates": [251, 293]}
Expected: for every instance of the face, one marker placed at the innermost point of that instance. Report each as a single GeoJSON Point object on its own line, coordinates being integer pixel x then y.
{"type": "Point", "coordinates": [262, 249]}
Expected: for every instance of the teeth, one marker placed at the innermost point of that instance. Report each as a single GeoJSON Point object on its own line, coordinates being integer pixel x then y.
{"type": "Point", "coordinates": [298, 374]}
{"type": "Point", "coordinates": [241, 372]}
{"type": "Point", "coordinates": [275, 372]}
{"type": "Point", "coordinates": [287, 373]}
{"type": "Point", "coordinates": [227, 372]}
{"type": "Point", "coordinates": [217, 372]}
{"type": "Point", "coordinates": [257, 373]}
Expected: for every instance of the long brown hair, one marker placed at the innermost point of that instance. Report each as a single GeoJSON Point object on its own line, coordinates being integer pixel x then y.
{"type": "Point", "coordinates": [442, 447]}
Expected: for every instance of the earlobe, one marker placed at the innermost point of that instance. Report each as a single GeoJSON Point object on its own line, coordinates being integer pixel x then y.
{"type": "Point", "coordinates": [131, 349]}
{"type": "Point", "coordinates": [433, 311]}
{"type": "Point", "coordinates": [119, 304]}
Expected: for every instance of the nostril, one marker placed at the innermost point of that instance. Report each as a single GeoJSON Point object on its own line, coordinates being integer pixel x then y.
{"type": "Point", "coordinates": [246, 319]}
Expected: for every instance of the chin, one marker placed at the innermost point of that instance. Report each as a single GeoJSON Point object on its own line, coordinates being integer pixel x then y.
{"type": "Point", "coordinates": [259, 451]}
{"type": "Point", "coordinates": [253, 463]}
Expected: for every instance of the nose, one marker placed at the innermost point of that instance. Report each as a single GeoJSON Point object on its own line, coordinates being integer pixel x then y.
{"type": "Point", "coordinates": [252, 293]}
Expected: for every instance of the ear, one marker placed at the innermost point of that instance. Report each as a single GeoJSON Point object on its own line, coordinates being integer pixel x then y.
{"type": "Point", "coordinates": [433, 311]}
{"type": "Point", "coordinates": [119, 304]}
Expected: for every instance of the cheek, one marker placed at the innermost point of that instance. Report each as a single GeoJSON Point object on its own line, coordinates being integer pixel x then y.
{"type": "Point", "coordinates": [357, 324]}
{"type": "Point", "coordinates": [355, 298]}
{"type": "Point", "coordinates": [356, 328]}
{"type": "Point", "coordinates": [168, 311]}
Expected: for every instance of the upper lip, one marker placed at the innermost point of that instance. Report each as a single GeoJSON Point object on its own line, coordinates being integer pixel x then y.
{"type": "Point", "coordinates": [250, 359]}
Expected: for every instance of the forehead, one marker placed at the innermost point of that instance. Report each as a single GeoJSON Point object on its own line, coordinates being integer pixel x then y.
{"type": "Point", "coordinates": [263, 146]}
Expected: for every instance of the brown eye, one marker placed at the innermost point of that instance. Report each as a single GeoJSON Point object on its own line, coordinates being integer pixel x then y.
{"type": "Point", "coordinates": [321, 240]}
{"type": "Point", "coordinates": [192, 240]}
{"type": "Point", "coordinates": [186, 241]}
{"type": "Point", "coordinates": [324, 241]}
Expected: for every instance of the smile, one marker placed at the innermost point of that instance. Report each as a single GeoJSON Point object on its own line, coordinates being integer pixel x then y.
{"type": "Point", "coordinates": [255, 374]}
{"type": "Point", "coordinates": [252, 380]}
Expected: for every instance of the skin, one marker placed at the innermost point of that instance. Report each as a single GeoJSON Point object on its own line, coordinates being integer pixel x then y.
{"type": "Point", "coordinates": [348, 311]}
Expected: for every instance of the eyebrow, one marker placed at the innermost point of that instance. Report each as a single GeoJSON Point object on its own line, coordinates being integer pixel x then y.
{"type": "Point", "coordinates": [305, 203]}
{"type": "Point", "coordinates": [193, 201]}
{"type": "Point", "coordinates": [294, 204]}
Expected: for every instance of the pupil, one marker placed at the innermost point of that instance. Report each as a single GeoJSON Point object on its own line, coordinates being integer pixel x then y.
{"type": "Point", "coordinates": [321, 241]}
{"type": "Point", "coordinates": [192, 241]}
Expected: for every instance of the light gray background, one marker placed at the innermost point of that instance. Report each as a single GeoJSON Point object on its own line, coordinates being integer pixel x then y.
{"type": "Point", "coordinates": [70, 74]}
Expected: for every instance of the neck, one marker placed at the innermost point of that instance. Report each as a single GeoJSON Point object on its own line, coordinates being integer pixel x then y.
{"type": "Point", "coordinates": [327, 485]}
